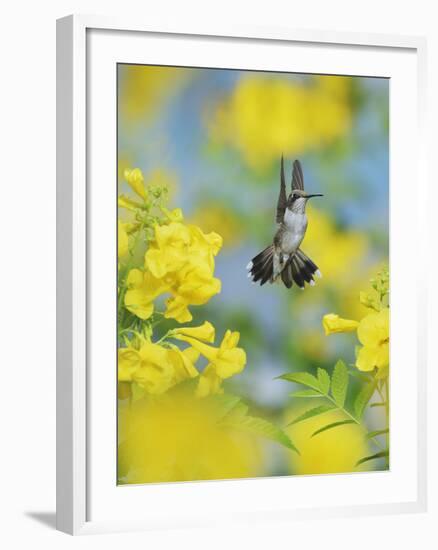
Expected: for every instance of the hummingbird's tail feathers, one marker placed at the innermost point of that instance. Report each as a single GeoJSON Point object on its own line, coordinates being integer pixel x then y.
{"type": "Point", "coordinates": [298, 269]}
{"type": "Point", "coordinates": [303, 269]}
{"type": "Point", "coordinates": [261, 266]}
{"type": "Point", "coordinates": [299, 274]}
{"type": "Point", "coordinates": [286, 275]}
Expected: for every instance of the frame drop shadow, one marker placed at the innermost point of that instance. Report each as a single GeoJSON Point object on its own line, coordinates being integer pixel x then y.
{"type": "Point", "coordinates": [45, 518]}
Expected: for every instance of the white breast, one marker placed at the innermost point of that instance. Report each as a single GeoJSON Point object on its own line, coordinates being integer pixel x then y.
{"type": "Point", "coordinates": [296, 225]}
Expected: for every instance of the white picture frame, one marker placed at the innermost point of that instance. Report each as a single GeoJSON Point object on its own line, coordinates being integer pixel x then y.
{"type": "Point", "coordinates": [77, 488]}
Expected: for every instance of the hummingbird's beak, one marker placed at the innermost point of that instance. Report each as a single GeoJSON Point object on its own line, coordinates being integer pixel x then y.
{"type": "Point", "coordinates": [314, 195]}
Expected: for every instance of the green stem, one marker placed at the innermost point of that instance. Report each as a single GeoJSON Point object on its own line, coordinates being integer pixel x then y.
{"type": "Point", "coordinates": [168, 333]}
{"type": "Point", "coordinates": [133, 331]}
{"type": "Point", "coordinates": [381, 394]}
{"type": "Point", "coordinates": [373, 439]}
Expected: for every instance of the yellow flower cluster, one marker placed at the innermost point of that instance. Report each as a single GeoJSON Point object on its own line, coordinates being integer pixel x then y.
{"type": "Point", "coordinates": [179, 261]}
{"type": "Point", "coordinates": [267, 117]}
{"type": "Point", "coordinates": [156, 367]}
{"type": "Point", "coordinates": [372, 330]}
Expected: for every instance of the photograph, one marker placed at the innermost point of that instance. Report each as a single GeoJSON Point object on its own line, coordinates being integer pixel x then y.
{"type": "Point", "coordinates": [253, 285]}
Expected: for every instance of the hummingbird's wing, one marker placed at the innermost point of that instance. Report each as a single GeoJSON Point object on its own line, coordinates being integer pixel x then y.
{"type": "Point", "coordinates": [297, 176]}
{"type": "Point", "coordinates": [282, 199]}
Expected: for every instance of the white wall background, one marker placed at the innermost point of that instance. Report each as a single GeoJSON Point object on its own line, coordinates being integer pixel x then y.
{"type": "Point", "coordinates": [27, 289]}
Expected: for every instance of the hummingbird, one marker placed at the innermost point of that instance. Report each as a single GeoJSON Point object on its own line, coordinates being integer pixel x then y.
{"type": "Point", "coordinates": [283, 258]}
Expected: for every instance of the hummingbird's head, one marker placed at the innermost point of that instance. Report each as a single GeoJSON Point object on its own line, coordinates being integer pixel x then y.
{"type": "Point", "coordinates": [298, 198]}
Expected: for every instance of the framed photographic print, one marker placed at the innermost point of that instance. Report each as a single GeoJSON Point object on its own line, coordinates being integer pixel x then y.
{"type": "Point", "coordinates": [239, 275]}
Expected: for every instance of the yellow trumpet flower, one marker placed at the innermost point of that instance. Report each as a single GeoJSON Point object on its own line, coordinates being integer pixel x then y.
{"type": "Point", "coordinates": [135, 180]}
{"type": "Point", "coordinates": [227, 359]}
{"type": "Point", "coordinates": [332, 323]}
{"type": "Point", "coordinates": [183, 363]}
{"type": "Point", "coordinates": [204, 332]}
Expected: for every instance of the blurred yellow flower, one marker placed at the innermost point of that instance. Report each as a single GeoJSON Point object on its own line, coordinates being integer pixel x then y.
{"type": "Point", "coordinates": [314, 345]}
{"type": "Point", "coordinates": [145, 89]}
{"type": "Point", "coordinates": [180, 439]}
{"type": "Point", "coordinates": [267, 117]}
{"type": "Point", "coordinates": [373, 334]}
{"type": "Point", "coordinates": [214, 217]}
{"type": "Point", "coordinates": [135, 180]}
{"type": "Point", "coordinates": [149, 366]}
{"type": "Point", "coordinates": [122, 240]}
{"type": "Point", "coordinates": [333, 451]}
{"type": "Point", "coordinates": [142, 289]}
{"type": "Point", "coordinates": [339, 253]}
{"type": "Point", "coordinates": [333, 323]}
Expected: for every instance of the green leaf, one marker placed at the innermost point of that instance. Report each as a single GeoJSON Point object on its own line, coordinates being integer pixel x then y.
{"type": "Point", "coordinates": [362, 399]}
{"type": "Point", "coordinates": [224, 404]}
{"type": "Point", "coordinates": [236, 413]}
{"type": "Point", "coordinates": [312, 412]}
{"type": "Point", "coordinates": [304, 378]}
{"type": "Point", "coordinates": [357, 374]}
{"type": "Point", "coordinates": [377, 405]}
{"type": "Point", "coordinates": [306, 393]}
{"type": "Point", "coordinates": [185, 387]}
{"type": "Point", "coordinates": [261, 427]}
{"type": "Point", "coordinates": [333, 425]}
{"type": "Point", "coordinates": [375, 433]}
{"type": "Point", "coordinates": [324, 380]}
{"type": "Point", "coordinates": [381, 454]}
{"type": "Point", "coordinates": [339, 383]}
